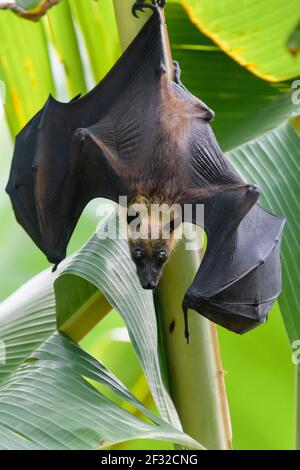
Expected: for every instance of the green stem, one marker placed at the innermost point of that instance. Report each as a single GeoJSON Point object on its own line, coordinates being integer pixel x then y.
{"type": "Point", "coordinates": [195, 372]}
{"type": "Point", "coordinates": [128, 25]}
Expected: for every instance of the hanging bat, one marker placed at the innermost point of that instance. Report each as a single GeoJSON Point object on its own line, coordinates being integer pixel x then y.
{"type": "Point", "coordinates": [142, 135]}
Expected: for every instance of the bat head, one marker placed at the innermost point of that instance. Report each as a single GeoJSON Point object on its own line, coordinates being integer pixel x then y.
{"type": "Point", "coordinates": [149, 260]}
{"type": "Point", "coordinates": [152, 232]}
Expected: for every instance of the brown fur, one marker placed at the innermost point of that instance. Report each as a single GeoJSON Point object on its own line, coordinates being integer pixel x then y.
{"type": "Point", "coordinates": [161, 177]}
{"type": "Point", "coordinates": [151, 244]}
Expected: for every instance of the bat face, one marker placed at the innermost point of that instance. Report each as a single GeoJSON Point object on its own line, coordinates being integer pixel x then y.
{"type": "Point", "coordinates": [151, 238]}
{"type": "Point", "coordinates": [150, 259]}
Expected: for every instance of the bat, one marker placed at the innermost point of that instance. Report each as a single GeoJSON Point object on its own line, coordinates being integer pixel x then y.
{"type": "Point", "coordinates": [143, 135]}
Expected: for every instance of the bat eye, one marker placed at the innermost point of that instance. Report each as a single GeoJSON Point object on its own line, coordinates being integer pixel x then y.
{"type": "Point", "coordinates": [137, 254]}
{"type": "Point", "coordinates": [162, 256]}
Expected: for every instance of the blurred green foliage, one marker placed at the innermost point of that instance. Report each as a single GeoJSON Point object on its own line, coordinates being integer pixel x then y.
{"type": "Point", "coordinates": [258, 369]}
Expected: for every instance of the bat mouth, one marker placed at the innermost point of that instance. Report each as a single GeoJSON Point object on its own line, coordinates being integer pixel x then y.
{"type": "Point", "coordinates": [149, 285]}
{"type": "Point", "coordinates": [253, 189]}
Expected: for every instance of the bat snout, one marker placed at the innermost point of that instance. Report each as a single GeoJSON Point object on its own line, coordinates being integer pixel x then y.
{"type": "Point", "coordinates": [253, 189]}
{"type": "Point", "coordinates": [149, 285]}
{"type": "Point", "coordinates": [148, 277]}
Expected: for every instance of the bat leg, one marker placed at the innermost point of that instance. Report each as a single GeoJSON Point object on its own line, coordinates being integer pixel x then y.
{"type": "Point", "coordinates": [140, 5]}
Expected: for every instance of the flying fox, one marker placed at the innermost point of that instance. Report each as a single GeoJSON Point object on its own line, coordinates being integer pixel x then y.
{"type": "Point", "coordinates": [141, 134]}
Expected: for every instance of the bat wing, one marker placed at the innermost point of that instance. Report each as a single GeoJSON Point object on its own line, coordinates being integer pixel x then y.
{"type": "Point", "coordinates": [95, 137]}
{"type": "Point", "coordinates": [90, 174]}
{"type": "Point", "coordinates": [20, 186]}
{"type": "Point", "coordinates": [239, 278]}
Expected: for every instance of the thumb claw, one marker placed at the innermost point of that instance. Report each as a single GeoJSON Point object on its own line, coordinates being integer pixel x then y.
{"type": "Point", "coordinates": [54, 269]}
{"type": "Point", "coordinates": [136, 8]}
{"type": "Point", "coordinates": [186, 325]}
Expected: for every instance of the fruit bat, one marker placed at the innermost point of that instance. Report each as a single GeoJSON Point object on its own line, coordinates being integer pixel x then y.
{"type": "Point", "coordinates": [141, 134]}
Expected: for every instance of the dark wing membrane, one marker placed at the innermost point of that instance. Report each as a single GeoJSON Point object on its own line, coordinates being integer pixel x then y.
{"type": "Point", "coordinates": [20, 186]}
{"type": "Point", "coordinates": [207, 165]}
{"type": "Point", "coordinates": [246, 303]}
{"type": "Point", "coordinates": [239, 278]}
{"type": "Point", "coordinates": [90, 174]}
{"type": "Point", "coordinates": [130, 127]}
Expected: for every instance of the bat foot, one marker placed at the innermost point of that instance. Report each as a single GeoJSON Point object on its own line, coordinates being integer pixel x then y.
{"type": "Point", "coordinates": [140, 5]}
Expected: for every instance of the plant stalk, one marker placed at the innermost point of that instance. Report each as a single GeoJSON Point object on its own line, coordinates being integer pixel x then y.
{"type": "Point", "coordinates": [195, 372]}
{"type": "Point", "coordinates": [128, 25]}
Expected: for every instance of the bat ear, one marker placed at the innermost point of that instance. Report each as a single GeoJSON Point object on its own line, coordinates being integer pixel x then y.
{"type": "Point", "coordinates": [204, 111]}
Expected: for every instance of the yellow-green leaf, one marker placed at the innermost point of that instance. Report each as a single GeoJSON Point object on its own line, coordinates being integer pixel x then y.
{"type": "Point", "coordinates": [24, 68]}
{"type": "Point", "coordinates": [254, 33]}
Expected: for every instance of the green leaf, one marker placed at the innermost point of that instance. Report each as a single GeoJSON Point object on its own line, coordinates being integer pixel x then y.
{"type": "Point", "coordinates": [272, 161]}
{"type": "Point", "coordinates": [63, 35]}
{"type": "Point", "coordinates": [105, 264]}
{"type": "Point", "coordinates": [24, 68]}
{"type": "Point", "coordinates": [27, 319]}
{"type": "Point", "coordinates": [45, 400]}
{"type": "Point", "coordinates": [236, 95]}
{"type": "Point", "coordinates": [48, 404]}
{"type": "Point", "coordinates": [293, 43]}
{"type": "Point", "coordinates": [97, 23]}
{"type": "Point", "coordinates": [246, 31]}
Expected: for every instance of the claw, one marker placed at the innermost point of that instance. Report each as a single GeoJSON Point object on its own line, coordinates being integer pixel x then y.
{"type": "Point", "coordinates": [140, 5]}
{"type": "Point", "coordinates": [136, 7]}
{"type": "Point", "coordinates": [54, 269]}
{"type": "Point", "coordinates": [186, 325]}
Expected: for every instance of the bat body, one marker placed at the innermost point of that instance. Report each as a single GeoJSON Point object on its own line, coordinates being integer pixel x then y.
{"type": "Point", "coordinates": [141, 135]}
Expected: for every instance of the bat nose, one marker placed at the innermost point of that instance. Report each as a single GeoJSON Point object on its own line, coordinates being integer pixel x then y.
{"type": "Point", "coordinates": [252, 188]}
{"type": "Point", "coordinates": [149, 285]}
